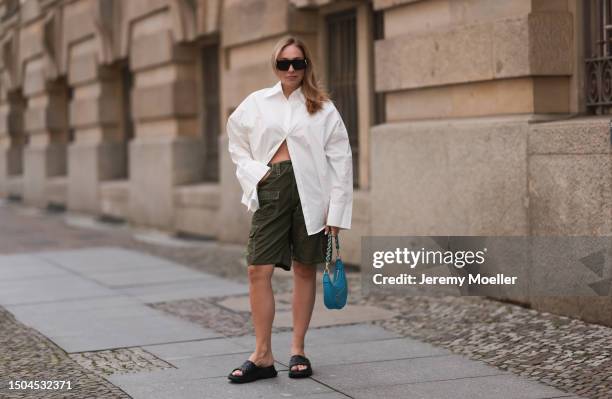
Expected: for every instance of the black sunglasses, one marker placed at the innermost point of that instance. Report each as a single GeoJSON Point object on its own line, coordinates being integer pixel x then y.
{"type": "Point", "coordinates": [298, 64]}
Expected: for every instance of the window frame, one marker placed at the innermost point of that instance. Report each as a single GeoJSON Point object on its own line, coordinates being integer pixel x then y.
{"type": "Point", "coordinates": [365, 76]}
{"type": "Point", "coordinates": [212, 157]}
{"type": "Point", "coordinates": [598, 57]}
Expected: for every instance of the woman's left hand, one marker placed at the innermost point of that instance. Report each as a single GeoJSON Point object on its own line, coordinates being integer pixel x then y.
{"type": "Point", "coordinates": [334, 230]}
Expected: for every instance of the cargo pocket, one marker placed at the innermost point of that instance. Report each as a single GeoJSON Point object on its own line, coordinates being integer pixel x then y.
{"type": "Point", "coordinates": [268, 203]}
{"type": "Point", "coordinates": [251, 242]}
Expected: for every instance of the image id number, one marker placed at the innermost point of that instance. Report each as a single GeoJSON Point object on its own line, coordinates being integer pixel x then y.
{"type": "Point", "coordinates": [35, 384]}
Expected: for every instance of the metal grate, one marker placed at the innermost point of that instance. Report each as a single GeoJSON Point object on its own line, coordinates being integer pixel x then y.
{"type": "Point", "coordinates": [342, 74]}
{"type": "Point", "coordinates": [210, 110]}
{"type": "Point", "coordinates": [598, 24]}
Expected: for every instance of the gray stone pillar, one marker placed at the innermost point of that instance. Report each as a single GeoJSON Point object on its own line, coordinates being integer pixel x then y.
{"type": "Point", "coordinates": [12, 141]}
{"type": "Point", "coordinates": [98, 151]}
{"type": "Point", "coordinates": [46, 124]}
{"type": "Point", "coordinates": [167, 149]}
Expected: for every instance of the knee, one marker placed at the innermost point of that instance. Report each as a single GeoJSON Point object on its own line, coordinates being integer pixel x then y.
{"type": "Point", "coordinates": [258, 273]}
{"type": "Point", "coordinates": [303, 270]}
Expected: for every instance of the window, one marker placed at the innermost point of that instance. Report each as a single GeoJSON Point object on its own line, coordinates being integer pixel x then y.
{"type": "Point", "coordinates": [342, 74]}
{"type": "Point", "coordinates": [598, 35]}
{"type": "Point", "coordinates": [69, 99]}
{"type": "Point", "coordinates": [18, 138]}
{"type": "Point", "coordinates": [127, 123]}
{"type": "Point", "coordinates": [210, 110]}
{"type": "Point", "coordinates": [60, 94]}
{"type": "Point", "coordinates": [378, 33]}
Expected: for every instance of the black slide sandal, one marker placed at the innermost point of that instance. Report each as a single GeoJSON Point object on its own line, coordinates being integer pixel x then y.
{"type": "Point", "coordinates": [252, 372]}
{"type": "Point", "coordinates": [297, 360]}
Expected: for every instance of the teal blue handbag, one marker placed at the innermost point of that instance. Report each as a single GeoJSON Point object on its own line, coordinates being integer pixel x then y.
{"type": "Point", "coordinates": [335, 291]}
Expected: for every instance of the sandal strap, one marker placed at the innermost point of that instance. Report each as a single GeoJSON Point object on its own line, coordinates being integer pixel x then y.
{"type": "Point", "coordinates": [246, 367]}
{"type": "Point", "coordinates": [296, 360]}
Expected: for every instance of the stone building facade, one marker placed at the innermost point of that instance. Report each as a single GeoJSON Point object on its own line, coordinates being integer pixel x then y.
{"type": "Point", "coordinates": [466, 117]}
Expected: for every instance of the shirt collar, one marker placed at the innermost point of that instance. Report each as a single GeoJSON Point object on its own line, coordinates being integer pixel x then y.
{"type": "Point", "coordinates": [278, 89]}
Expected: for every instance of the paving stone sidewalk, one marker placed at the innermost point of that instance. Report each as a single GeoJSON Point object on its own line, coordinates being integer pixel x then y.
{"type": "Point", "coordinates": [147, 316]}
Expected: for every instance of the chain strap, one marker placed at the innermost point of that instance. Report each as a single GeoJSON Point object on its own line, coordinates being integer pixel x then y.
{"type": "Point", "coordinates": [328, 258]}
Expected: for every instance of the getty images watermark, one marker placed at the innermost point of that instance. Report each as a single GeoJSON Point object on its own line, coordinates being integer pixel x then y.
{"type": "Point", "coordinates": [493, 266]}
{"type": "Point", "coordinates": [412, 258]}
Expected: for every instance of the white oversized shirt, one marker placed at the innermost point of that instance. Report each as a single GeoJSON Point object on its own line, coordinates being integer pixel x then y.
{"type": "Point", "coordinates": [318, 146]}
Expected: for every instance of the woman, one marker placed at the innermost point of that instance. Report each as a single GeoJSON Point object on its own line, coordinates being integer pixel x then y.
{"type": "Point", "coordinates": [294, 165]}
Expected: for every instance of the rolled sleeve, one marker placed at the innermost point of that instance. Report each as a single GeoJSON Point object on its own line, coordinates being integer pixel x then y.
{"type": "Point", "coordinates": [340, 160]}
{"type": "Point", "coordinates": [248, 171]}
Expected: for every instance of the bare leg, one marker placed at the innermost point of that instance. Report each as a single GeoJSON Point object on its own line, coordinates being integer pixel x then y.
{"type": "Point", "coordinates": [304, 291]}
{"type": "Point", "coordinates": [262, 309]}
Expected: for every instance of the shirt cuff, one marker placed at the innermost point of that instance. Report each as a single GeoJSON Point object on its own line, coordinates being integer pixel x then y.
{"type": "Point", "coordinates": [258, 170]}
{"type": "Point", "coordinates": [253, 201]}
{"type": "Point", "coordinates": [339, 215]}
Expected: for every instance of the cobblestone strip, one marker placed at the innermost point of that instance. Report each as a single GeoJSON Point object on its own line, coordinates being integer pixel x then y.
{"type": "Point", "coordinates": [120, 361]}
{"type": "Point", "coordinates": [208, 314]}
{"type": "Point", "coordinates": [26, 355]}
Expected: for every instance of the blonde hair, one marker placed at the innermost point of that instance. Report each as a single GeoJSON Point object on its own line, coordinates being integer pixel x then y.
{"type": "Point", "coordinates": [315, 95]}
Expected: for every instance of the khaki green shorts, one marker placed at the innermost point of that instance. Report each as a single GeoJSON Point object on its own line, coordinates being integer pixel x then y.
{"type": "Point", "coordinates": [278, 232]}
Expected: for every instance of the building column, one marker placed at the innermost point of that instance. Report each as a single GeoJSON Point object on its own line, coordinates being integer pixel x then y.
{"type": "Point", "coordinates": [46, 125]}
{"type": "Point", "coordinates": [98, 151]}
{"type": "Point", "coordinates": [167, 149]}
{"type": "Point", "coordinates": [12, 142]}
